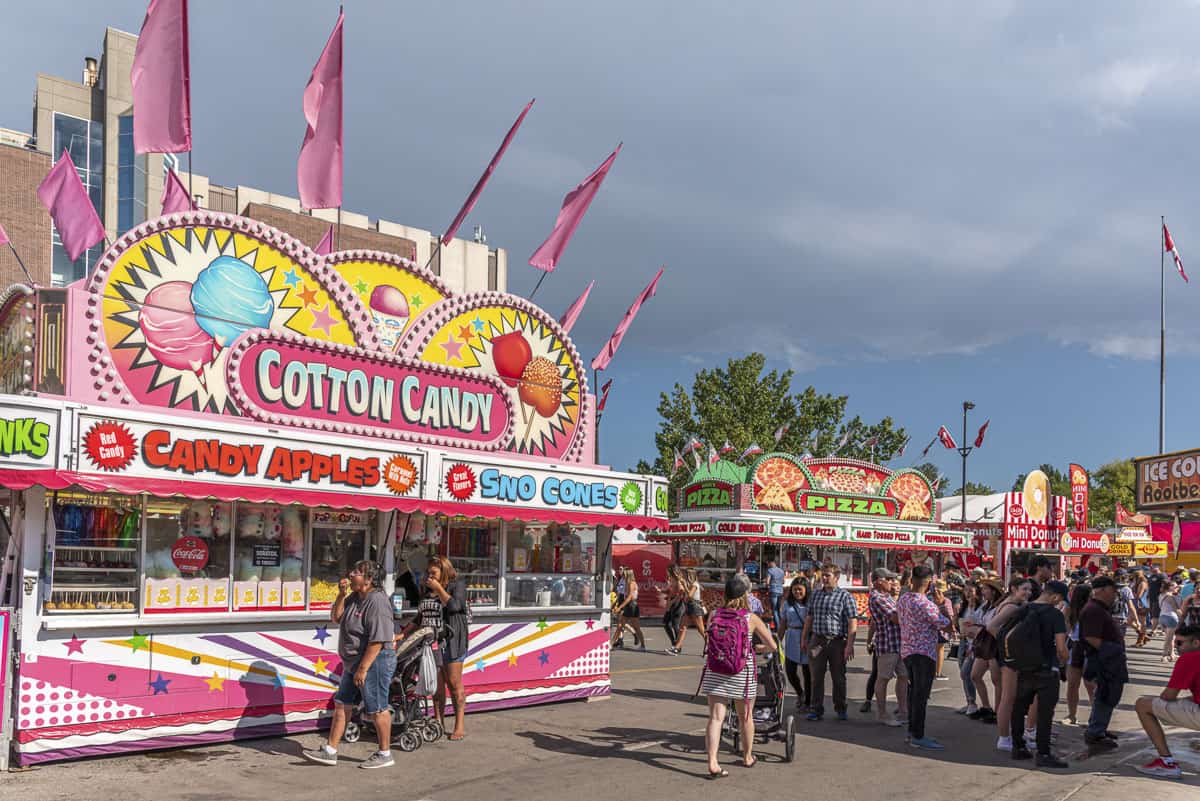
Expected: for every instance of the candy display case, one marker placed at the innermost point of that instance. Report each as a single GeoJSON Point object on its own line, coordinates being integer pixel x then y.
{"type": "Point", "coordinates": [339, 540]}
{"type": "Point", "coordinates": [93, 559]}
{"type": "Point", "coordinates": [474, 551]}
{"type": "Point", "coordinates": [269, 542]}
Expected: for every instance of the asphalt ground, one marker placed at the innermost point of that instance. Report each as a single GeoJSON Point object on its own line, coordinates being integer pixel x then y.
{"type": "Point", "coordinates": [647, 742]}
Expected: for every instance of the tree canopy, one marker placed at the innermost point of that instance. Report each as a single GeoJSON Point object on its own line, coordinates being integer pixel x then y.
{"type": "Point", "coordinates": [741, 403]}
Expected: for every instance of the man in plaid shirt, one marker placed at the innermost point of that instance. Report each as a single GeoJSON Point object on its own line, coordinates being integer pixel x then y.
{"type": "Point", "coordinates": [828, 637]}
{"type": "Point", "coordinates": [886, 623]}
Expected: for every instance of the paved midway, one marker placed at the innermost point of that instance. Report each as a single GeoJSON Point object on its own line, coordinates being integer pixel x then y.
{"type": "Point", "coordinates": [644, 743]}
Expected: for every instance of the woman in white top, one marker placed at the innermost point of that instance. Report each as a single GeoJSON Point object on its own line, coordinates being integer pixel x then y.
{"type": "Point", "coordinates": [693, 610]}
{"type": "Point", "coordinates": [986, 663]}
{"type": "Point", "coordinates": [1168, 618]}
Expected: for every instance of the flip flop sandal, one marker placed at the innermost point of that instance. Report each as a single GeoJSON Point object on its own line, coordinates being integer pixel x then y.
{"type": "Point", "coordinates": [457, 739]}
{"type": "Point", "coordinates": [752, 764]}
{"type": "Point", "coordinates": [721, 774]}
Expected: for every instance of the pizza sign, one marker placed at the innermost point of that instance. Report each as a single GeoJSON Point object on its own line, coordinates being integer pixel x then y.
{"type": "Point", "coordinates": [707, 495]}
{"type": "Point", "coordinates": [840, 487]}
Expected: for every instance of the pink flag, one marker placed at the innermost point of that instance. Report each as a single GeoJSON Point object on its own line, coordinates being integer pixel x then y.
{"type": "Point", "coordinates": [319, 169]}
{"type": "Point", "coordinates": [610, 348]}
{"type": "Point", "coordinates": [175, 196]}
{"type": "Point", "coordinates": [947, 439]}
{"type": "Point", "coordinates": [63, 195]}
{"type": "Point", "coordinates": [604, 396]}
{"type": "Point", "coordinates": [162, 119]}
{"type": "Point", "coordinates": [983, 433]}
{"type": "Point", "coordinates": [4, 240]}
{"type": "Point", "coordinates": [483, 179]}
{"type": "Point", "coordinates": [572, 314]}
{"type": "Point", "coordinates": [574, 206]}
{"type": "Point", "coordinates": [1169, 247]}
{"type": "Point", "coordinates": [325, 246]}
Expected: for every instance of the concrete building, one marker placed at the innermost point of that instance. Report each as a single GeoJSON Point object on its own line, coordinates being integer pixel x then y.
{"type": "Point", "coordinates": [92, 119]}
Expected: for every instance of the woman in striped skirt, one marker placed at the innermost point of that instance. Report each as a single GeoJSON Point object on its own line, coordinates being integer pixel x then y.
{"type": "Point", "coordinates": [739, 688]}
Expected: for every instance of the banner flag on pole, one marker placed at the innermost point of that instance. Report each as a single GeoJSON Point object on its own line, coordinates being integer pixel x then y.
{"type": "Point", "coordinates": [678, 459]}
{"type": "Point", "coordinates": [74, 216]}
{"type": "Point", "coordinates": [604, 396]}
{"type": "Point", "coordinates": [781, 432]}
{"type": "Point", "coordinates": [572, 314]}
{"type": "Point", "coordinates": [947, 440]}
{"type": "Point", "coordinates": [162, 120]}
{"type": "Point", "coordinates": [4, 240]}
{"type": "Point", "coordinates": [752, 450]}
{"type": "Point", "coordinates": [606, 354]}
{"type": "Point", "coordinates": [727, 448]}
{"type": "Point", "coordinates": [925, 452]}
{"type": "Point", "coordinates": [319, 168]}
{"type": "Point", "coordinates": [574, 206]}
{"type": "Point", "coordinates": [1169, 247]}
{"type": "Point", "coordinates": [175, 197]}
{"type": "Point", "coordinates": [325, 246]}
{"type": "Point", "coordinates": [483, 179]}
{"type": "Point", "coordinates": [982, 433]}
{"type": "Point", "coordinates": [713, 456]}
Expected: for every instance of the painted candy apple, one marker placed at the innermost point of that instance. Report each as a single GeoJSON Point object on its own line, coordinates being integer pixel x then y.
{"type": "Point", "coordinates": [541, 386]}
{"type": "Point", "coordinates": [511, 354]}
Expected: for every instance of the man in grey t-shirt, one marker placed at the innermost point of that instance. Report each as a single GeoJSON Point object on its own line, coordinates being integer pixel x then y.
{"type": "Point", "coordinates": [365, 635]}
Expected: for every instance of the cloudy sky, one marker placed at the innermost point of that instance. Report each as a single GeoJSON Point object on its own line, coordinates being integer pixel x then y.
{"type": "Point", "coordinates": [913, 204]}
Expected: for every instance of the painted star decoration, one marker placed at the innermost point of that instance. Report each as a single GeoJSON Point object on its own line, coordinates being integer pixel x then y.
{"type": "Point", "coordinates": [160, 685]}
{"type": "Point", "coordinates": [479, 665]}
{"type": "Point", "coordinates": [320, 666]}
{"type": "Point", "coordinates": [416, 302]}
{"type": "Point", "coordinates": [74, 645]}
{"type": "Point", "coordinates": [544, 657]}
{"type": "Point", "coordinates": [542, 624]}
{"type": "Point", "coordinates": [464, 333]}
{"type": "Point", "coordinates": [308, 295]}
{"type": "Point", "coordinates": [453, 348]}
{"type": "Point", "coordinates": [291, 278]}
{"type": "Point", "coordinates": [215, 683]}
{"type": "Point", "coordinates": [322, 634]}
{"type": "Point", "coordinates": [360, 286]}
{"type": "Point", "coordinates": [591, 624]}
{"type": "Point", "coordinates": [323, 320]}
{"type": "Point", "coordinates": [477, 324]}
{"type": "Point", "coordinates": [512, 659]}
{"type": "Point", "coordinates": [137, 641]}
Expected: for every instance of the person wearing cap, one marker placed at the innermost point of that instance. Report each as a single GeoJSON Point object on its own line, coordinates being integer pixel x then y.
{"type": "Point", "coordinates": [885, 622]}
{"type": "Point", "coordinates": [1124, 610]}
{"type": "Point", "coordinates": [1105, 662]}
{"type": "Point", "coordinates": [1042, 682]}
{"type": "Point", "coordinates": [1172, 707]}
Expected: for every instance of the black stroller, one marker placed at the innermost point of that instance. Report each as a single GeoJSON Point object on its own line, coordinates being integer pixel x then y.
{"type": "Point", "coordinates": [413, 722]}
{"type": "Point", "coordinates": [770, 720]}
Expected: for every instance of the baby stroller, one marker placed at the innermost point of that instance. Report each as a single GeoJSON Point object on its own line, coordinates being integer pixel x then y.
{"type": "Point", "coordinates": [770, 719]}
{"type": "Point", "coordinates": [413, 722]}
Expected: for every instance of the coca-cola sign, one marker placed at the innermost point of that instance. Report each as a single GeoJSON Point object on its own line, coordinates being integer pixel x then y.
{"type": "Point", "coordinates": [190, 554]}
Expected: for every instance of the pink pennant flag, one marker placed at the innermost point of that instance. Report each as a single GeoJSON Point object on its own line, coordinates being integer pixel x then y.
{"type": "Point", "coordinates": [574, 206]}
{"type": "Point", "coordinates": [604, 396]}
{"type": "Point", "coordinates": [162, 120]}
{"type": "Point", "coordinates": [325, 246]}
{"type": "Point", "coordinates": [483, 179]}
{"type": "Point", "coordinates": [4, 240]}
{"type": "Point", "coordinates": [319, 169]}
{"type": "Point", "coordinates": [75, 219]}
{"type": "Point", "coordinates": [572, 314]}
{"type": "Point", "coordinates": [175, 196]}
{"type": "Point", "coordinates": [610, 348]}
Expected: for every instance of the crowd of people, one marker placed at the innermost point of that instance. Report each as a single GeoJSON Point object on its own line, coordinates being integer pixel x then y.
{"type": "Point", "coordinates": [1018, 645]}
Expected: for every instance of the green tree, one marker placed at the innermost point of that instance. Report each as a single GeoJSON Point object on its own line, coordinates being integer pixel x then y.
{"type": "Point", "coordinates": [936, 477]}
{"type": "Point", "coordinates": [1111, 483]}
{"type": "Point", "coordinates": [1060, 482]}
{"type": "Point", "coordinates": [743, 404]}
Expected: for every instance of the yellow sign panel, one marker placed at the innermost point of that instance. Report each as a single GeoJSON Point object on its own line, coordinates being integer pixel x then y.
{"type": "Point", "coordinates": [1120, 549]}
{"type": "Point", "coordinates": [1157, 550]}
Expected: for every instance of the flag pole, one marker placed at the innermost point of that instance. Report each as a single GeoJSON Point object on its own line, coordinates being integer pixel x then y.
{"type": "Point", "coordinates": [596, 439]}
{"type": "Point", "coordinates": [190, 175]}
{"type": "Point", "coordinates": [337, 237]}
{"type": "Point", "coordinates": [1162, 334]}
{"type": "Point", "coordinates": [17, 256]}
{"type": "Point", "coordinates": [538, 284]}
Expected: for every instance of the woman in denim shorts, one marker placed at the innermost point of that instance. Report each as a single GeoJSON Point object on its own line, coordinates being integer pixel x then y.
{"type": "Point", "coordinates": [364, 614]}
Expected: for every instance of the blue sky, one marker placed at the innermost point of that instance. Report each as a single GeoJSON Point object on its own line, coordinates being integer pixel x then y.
{"type": "Point", "coordinates": [912, 204]}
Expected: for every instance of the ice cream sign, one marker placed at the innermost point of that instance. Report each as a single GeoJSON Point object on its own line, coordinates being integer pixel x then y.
{"type": "Point", "coordinates": [283, 379]}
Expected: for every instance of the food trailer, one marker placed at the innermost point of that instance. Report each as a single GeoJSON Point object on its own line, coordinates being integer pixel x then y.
{"type": "Point", "coordinates": [1167, 486]}
{"type": "Point", "coordinates": [198, 440]}
{"type": "Point", "coordinates": [803, 513]}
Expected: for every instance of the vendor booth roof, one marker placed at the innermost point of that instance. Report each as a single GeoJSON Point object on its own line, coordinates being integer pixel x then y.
{"type": "Point", "coordinates": [980, 508]}
{"type": "Point", "coordinates": [232, 491]}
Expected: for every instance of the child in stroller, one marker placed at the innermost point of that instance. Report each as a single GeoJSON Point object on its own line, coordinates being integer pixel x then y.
{"type": "Point", "coordinates": [770, 720]}
{"type": "Point", "coordinates": [412, 720]}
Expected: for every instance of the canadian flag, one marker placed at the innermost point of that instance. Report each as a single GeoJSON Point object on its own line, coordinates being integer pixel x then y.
{"type": "Point", "coordinates": [947, 440]}
{"type": "Point", "coordinates": [727, 448]}
{"type": "Point", "coordinates": [713, 457]}
{"type": "Point", "coordinates": [1169, 247]}
{"type": "Point", "coordinates": [678, 460]}
{"type": "Point", "coordinates": [982, 433]}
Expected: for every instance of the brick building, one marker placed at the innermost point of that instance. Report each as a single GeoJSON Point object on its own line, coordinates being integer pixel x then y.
{"type": "Point", "coordinates": [23, 217]}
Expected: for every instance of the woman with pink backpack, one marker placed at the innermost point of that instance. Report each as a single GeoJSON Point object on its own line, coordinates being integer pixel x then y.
{"type": "Point", "coordinates": [730, 671]}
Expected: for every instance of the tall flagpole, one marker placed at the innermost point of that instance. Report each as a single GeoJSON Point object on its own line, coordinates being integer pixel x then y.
{"type": "Point", "coordinates": [1162, 335]}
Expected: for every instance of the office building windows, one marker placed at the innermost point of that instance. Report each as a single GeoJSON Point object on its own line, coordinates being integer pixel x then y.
{"type": "Point", "coordinates": [131, 179]}
{"type": "Point", "coordinates": [84, 140]}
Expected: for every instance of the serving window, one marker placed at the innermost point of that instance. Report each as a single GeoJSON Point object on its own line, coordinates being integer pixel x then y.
{"type": "Point", "coordinates": [92, 553]}
{"type": "Point", "coordinates": [550, 565]}
{"type": "Point", "coordinates": [714, 561]}
{"type": "Point", "coordinates": [853, 564]}
{"type": "Point", "coordinates": [339, 539]}
{"type": "Point", "coordinates": [269, 543]}
{"type": "Point", "coordinates": [474, 550]}
{"type": "Point", "coordinates": [187, 556]}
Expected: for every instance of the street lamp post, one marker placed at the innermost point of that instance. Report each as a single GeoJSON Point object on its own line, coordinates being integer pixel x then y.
{"type": "Point", "coordinates": [965, 450]}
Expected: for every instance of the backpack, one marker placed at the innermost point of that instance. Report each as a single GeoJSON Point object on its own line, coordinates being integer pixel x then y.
{"type": "Point", "coordinates": [1022, 638]}
{"type": "Point", "coordinates": [728, 642]}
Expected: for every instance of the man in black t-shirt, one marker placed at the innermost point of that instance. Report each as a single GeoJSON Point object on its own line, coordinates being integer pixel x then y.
{"type": "Point", "coordinates": [1106, 664]}
{"type": "Point", "coordinates": [1043, 682]}
{"type": "Point", "coordinates": [1155, 579]}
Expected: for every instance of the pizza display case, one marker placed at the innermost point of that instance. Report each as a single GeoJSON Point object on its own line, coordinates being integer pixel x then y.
{"type": "Point", "coordinates": [805, 513]}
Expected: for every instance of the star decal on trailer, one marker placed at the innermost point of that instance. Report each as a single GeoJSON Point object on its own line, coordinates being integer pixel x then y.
{"type": "Point", "coordinates": [160, 685]}
{"type": "Point", "coordinates": [74, 645]}
{"type": "Point", "coordinates": [323, 320]}
{"type": "Point", "coordinates": [512, 659]}
{"type": "Point", "coordinates": [215, 683]}
{"type": "Point", "coordinates": [479, 666]}
{"type": "Point", "coordinates": [464, 333]}
{"type": "Point", "coordinates": [544, 657]}
{"type": "Point", "coordinates": [453, 348]}
{"type": "Point", "coordinates": [291, 278]}
{"type": "Point", "coordinates": [360, 286]}
{"type": "Point", "coordinates": [137, 641]}
{"type": "Point", "coordinates": [308, 295]}
{"type": "Point", "coordinates": [322, 634]}
{"type": "Point", "coordinates": [591, 624]}
{"type": "Point", "coordinates": [542, 624]}
{"type": "Point", "coordinates": [477, 324]}
{"type": "Point", "coordinates": [320, 666]}
{"type": "Point", "coordinates": [416, 302]}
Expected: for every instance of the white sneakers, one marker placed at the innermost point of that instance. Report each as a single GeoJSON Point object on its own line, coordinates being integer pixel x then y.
{"type": "Point", "coordinates": [1003, 743]}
